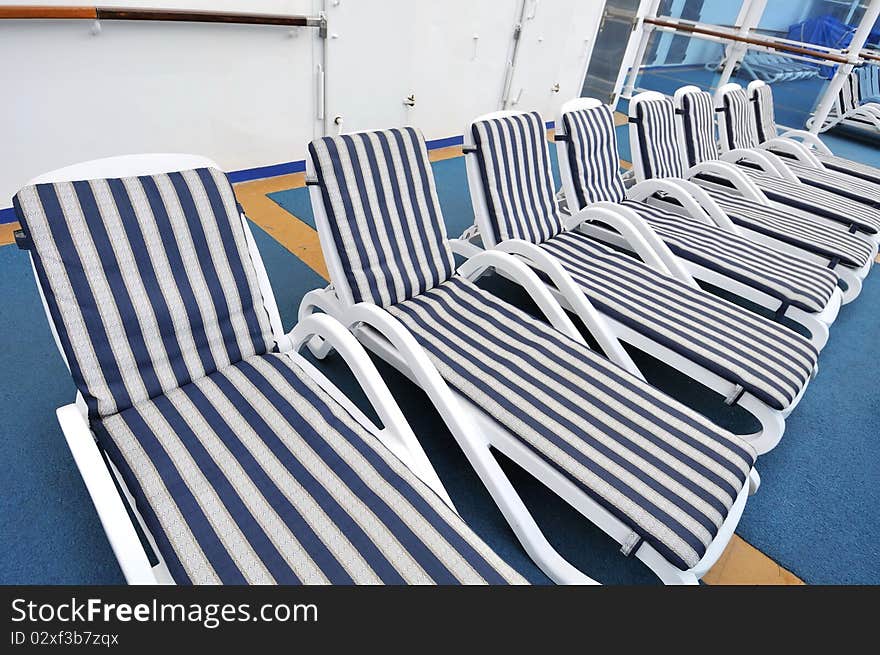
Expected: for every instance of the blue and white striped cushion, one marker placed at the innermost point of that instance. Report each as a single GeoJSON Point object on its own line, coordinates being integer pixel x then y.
{"type": "Point", "coordinates": [253, 475]}
{"type": "Point", "coordinates": [148, 280]}
{"type": "Point", "coordinates": [658, 142]}
{"type": "Point", "coordinates": [764, 357]}
{"type": "Point", "coordinates": [855, 189]}
{"type": "Point", "coordinates": [515, 168]}
{"type": "Point", "coordinates": [698, 120]}
{"type": "Point", "coordinates": [793, 281]}
{"type": "Point", "coordinates": [797, 228]}
{"type": "Point", "coordinates": [849, 166]}
{"type": "Point", "coordinates": [765, 121]}
{"type": "Point", "coordinates": [740, 124]}
{"type": "Point", "coordinates": [816, 201]}
{"type": "Point", "coordinates": [664, 470]}
{"type": "Point", "coordinates": [384, 214]}
{"type": "Point", "coordinates": [591, 144]}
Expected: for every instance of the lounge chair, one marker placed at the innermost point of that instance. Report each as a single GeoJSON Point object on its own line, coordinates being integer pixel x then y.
{"type": "Point", "coordinates": [849, 111]}
{"type": "Point", "coordinates": [212, 450]}
{"type": "Point", "coordinates": [748, 360]}
{"type": "Point", "coordinates": [802, 140]}
{"type": "Point", "coordinates": [739, 137]}
{"type": "Point", "coordinates": [660, 149]}
{"type": "Point", "coordinates": [660, 479]}
{"type": "Point", "coordinates": [711, 247]}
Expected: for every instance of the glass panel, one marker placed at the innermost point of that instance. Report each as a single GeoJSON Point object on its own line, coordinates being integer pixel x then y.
{"type": "Point", "coordinates": [823, 22]}
{"type": "Point", "coordinates": [714, 12]}
{"type": "Point", "coordinates": [797, 85]}
{"type": "Point", "coordinates": [611, 42]}
{"type": "Point", "coordinates": [676, 60]}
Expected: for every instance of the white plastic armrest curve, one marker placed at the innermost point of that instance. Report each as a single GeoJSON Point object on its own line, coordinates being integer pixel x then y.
{"type": "Point", "coordinates": [397, 432]}
{"type": "Point", "coordinates": [796, 149]}
{"type": "Point", "coordinates": [707, 203]}
{"type": "Point", "coordinates": [746, 187]}
{"type": "Point", "coordinates": [594, 321]}
{"type": "Point", "coordinates": [463, 247]}
{"type": "Point", "coordinates": [517, 271]}
{"type": "Point", "coordinates": [640, 236]}
{"type": "Point", "coordinates": [766, 161]}
{"type": "Point", "coordinates": [807, 138]}
{"type": "Point", "coordinates": [102, 489]}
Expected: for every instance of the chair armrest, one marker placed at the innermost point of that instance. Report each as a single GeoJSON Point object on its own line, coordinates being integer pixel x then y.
{"type": "Point", "coordinates": [766, 161]}
{"type": "Point", "coordinates": [640, 236]}
{"type": "Point", "coordinates": [396, 433]}
{"type": "Point", "coordinates": [574, 296]}
{"type": "Point", "coordinates": [102, 489]}
{"type": "Point", "coordinates": [795, 149]}
{"type": "Point", "coordinates": [742, 184]}
{"type": "Point", "coordinates": [808, 138]}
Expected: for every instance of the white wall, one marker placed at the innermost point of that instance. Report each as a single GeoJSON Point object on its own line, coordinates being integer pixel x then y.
{"type": "Point", "coordinates": [247, 96]}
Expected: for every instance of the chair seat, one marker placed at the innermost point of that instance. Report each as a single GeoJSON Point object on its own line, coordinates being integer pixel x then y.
{"type": "Point", "coordinates": [795, 227]}
{"type": "Point", "coordinates": [664, 470]}
{"type": "Point", "coordinates": [861, 191]}
{"type": "Point", "coordinates": [849, 166]}
{"type": "Point", "coordinates": [809, 198]}
{"type": "Point", "coordinates": [253, 474]}
{"type": "Point", "coordinates": [767, 359]}
{"type": "Point", "coordinates": [791, 280]}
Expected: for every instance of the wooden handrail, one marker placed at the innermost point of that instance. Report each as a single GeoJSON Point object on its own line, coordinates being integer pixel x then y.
{"type": "Point", "coordinates": [869, 55]}
{"type": "Point", "coordinates": [780, 47]}
{"type": "Point", "coordinates": [23, 12]}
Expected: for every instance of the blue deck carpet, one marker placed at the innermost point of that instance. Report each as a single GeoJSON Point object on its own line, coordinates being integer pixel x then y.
{"type": "Point", "coordinates": [816, 513]}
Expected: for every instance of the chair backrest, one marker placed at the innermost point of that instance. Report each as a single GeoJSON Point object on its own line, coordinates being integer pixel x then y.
{"type": "Point", "coordinates": [696, 115]}
{"type": "Point", "coordinates": [590, 144]}
{"type": "Point", "coordinates": [654, 137]}
{"type": "Point", "coordinates": [379, 215]}
{"type": "Point", "coordinates": [737, 126]}
{"type": "Point", "coordinates": [846, 99]}
{"type": "Point", "coordinates": [765, 120]}
{"type": "Point", "coordinates": [516, 179]}
{"type": "Point", "coordinates": [148, 281]}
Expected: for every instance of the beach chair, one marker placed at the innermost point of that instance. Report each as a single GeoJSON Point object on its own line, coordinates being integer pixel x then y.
{"type": "Point", "coordinates": [664, 482]}
{"type": "Point", "coordinates": [710, 246]}
{"type": "Point", "coordinates": [660, 149]}
{"type": "Point", "coordinates": [212, 450]}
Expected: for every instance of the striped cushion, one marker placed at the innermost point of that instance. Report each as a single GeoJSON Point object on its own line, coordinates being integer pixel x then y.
{"type": "Point", "coordinates": [816, 201]}
{"type": "Point", "coordinates": [854, 188]}
{"type": "Point", "coordinates": [791, 280]}
{"type": "Point", "coordinates": [384, 214]}
{"type": "Point", "coordinates": [662, 469]}
{"type": "Point", "coordinates": [797, 228]}
{"type": "Point", "coordinates": [254, 475]}
{"type": "Point", "coordinates": [591, 144]}
{"type": "Point", "coordinates": [767, 359]}
{"type": "Point", "coordinates": [514, 164]}
{"type": "Point", "coordinates": [658, 143]}
{"type": "Point", "coordinates": [849, 166]}
{"type": "Point", "coordinates": [148, 280]}
{"type": "Point", "coordinates": [740, 124]}
{"type": "Point", "coordinates": [765, 121]}
{"type": "Point", "coordinates": [698, 121]}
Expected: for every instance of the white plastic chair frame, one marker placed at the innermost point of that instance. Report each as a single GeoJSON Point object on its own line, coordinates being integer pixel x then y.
{"type": "Point", "coordinates": [742, 185]}
{"type": "Point", "coordinates": [696, 205]}
{"type": "Point", "coordinates": [395, 432]}
{"type": "Point", "coordinates": [475, 431]}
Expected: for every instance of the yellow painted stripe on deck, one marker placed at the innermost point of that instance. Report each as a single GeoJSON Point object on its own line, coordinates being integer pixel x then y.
{"type": "Point", "coordinates": [7, 231]}
{"type": "Point", "coordinates": [743, 564]}
{"type": "Point", "coordinates": [288, 230]}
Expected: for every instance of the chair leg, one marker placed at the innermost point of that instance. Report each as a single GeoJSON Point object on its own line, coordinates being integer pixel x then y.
{"type": "Point", "coordinates": [852, 282]}
{"type": "Point", "coordinates": [772, 425]}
